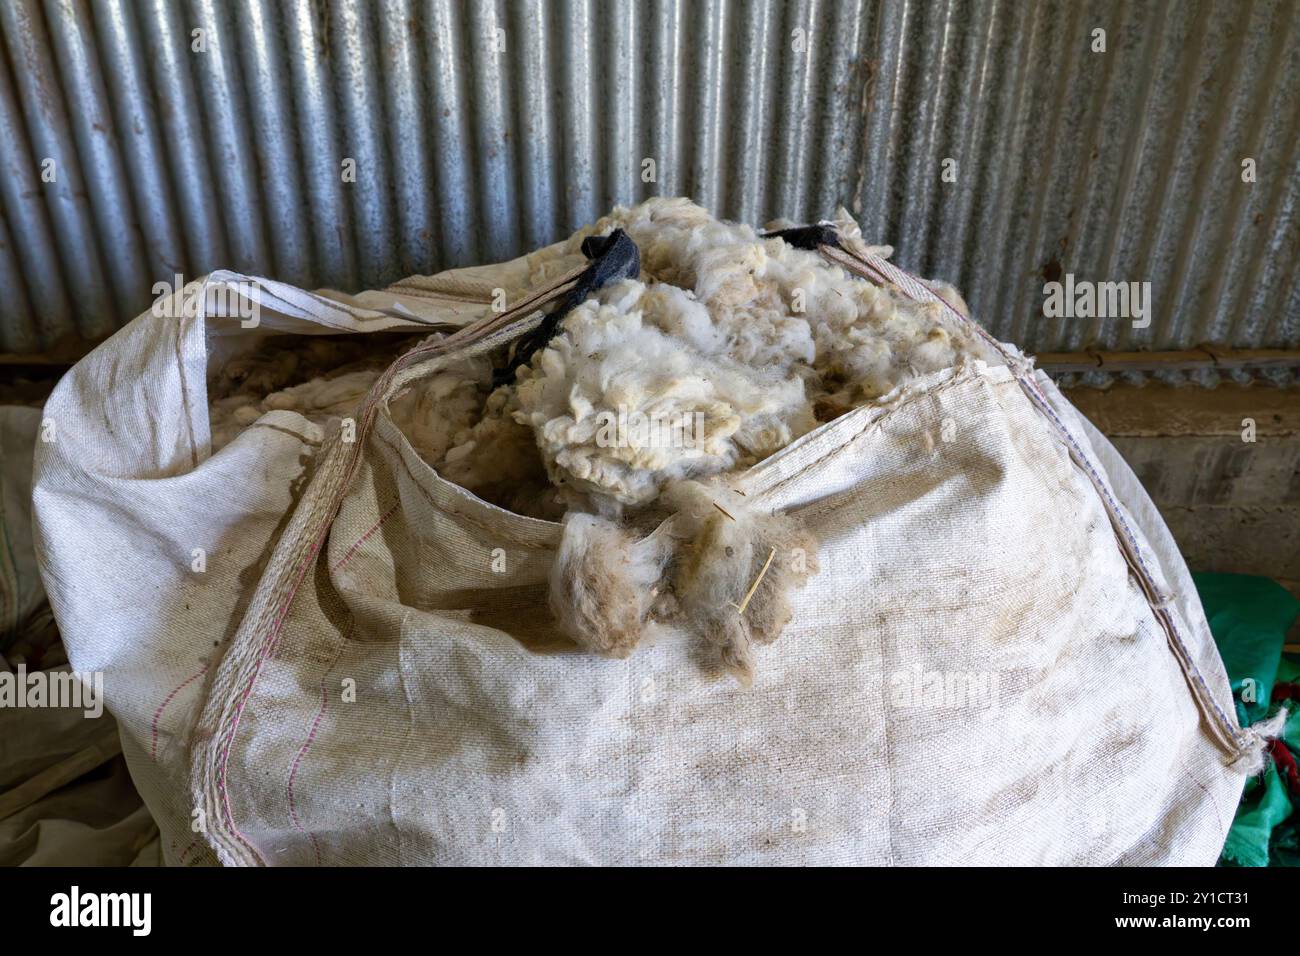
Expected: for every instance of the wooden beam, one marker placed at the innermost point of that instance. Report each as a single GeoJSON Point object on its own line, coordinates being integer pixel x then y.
{"type": "Point", "coordinates": [1158, 409]}
{"type": "Point", "coordinates": [1200, 357]}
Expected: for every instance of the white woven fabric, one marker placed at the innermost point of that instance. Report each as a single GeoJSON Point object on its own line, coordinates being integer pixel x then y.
{"type": "Point", "coordinates": [972, 677]}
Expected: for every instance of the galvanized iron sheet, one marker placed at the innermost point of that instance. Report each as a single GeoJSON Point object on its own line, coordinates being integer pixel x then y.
{"type": "Point", "coordinates": [479, 131]}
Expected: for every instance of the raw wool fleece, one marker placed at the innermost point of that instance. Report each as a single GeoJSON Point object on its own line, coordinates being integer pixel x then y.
{"type": "Point", "coordinates": [738, 345]}
{"type": "Point", "coordinates": [728, 346]}
{"type": "Point", "coordinates": [325, 380]}
{"type": "Point", "coordinates": [761, 340]}
{"type": "Point", "coordinates": [321, 378]}
{"type": "Point", "coordinates": [604, 581]}
{"type": "Point", "coordinates": [736, 570]}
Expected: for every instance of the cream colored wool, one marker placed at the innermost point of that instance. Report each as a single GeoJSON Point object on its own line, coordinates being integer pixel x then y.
{"type": "Point", "coordinates": [611, 360]}
{"type": "Point", "coordinates": [765, 341]}
{"type": "Point", "coordinates": [737, 344]}
{"type": "Point", "coordinates": [497, 458]}
{"type": "Point", "coordinates": [321, 378]}
{"type": "Point", "coordinates": [436, 415]}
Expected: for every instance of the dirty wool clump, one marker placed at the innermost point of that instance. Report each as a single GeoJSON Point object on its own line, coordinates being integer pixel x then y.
{"type": "Point", "coordinates": [716, 566]}
{"type": "Point", "coordinates": [326, 380]}
{"type": "Point", "coordinates": [634, 420]}
{"type": "Point", "coordinates": [321, 378]}
{"type": "Point", "coordinates": [453, 418]}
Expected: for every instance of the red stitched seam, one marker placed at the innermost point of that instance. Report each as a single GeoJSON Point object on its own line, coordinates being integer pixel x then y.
{"type": "Point", "coordinates": [185, 852]}
{"type": "Point", "coordinates": [365, 537]}
{"type": "Point", "coordinates": [239, 708]}
{"type": "Point", "coordinates": [293, 771]}
{"type": "Point", "coordinates": [153, 726]}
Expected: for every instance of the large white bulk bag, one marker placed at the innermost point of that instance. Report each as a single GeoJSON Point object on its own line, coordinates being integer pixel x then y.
{"type": "Point", "coordinates": [315, 659]}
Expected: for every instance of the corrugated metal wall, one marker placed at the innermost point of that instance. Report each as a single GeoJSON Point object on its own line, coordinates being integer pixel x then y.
{"type": "Point", "coordinates": [1123, 165]}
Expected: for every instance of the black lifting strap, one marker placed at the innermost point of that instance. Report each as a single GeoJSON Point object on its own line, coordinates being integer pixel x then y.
{"type": "Point", "coordinates": [612, 257]}
{"type": "Point", "coordinates": [807, 237]}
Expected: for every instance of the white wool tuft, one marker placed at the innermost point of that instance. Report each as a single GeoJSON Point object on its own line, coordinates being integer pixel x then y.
{"type": "Point", "coordinates": [435, 413]}
{"type": "Point", "coordinates": [609, 363]}
{"type": "Point", "coordinates": [717, 567]}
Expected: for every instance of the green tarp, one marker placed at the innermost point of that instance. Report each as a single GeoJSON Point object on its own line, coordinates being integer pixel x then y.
{"type": "Point", "coordinates": [1249, 617]}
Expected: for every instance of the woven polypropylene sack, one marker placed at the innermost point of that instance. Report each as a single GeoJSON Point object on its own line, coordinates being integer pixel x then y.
{"type": "Point", "coordinates": [975, 675]}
